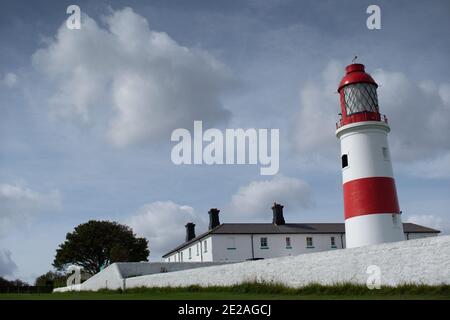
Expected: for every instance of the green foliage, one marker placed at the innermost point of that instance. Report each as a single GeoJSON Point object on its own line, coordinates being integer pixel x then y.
{"type": "Point", "coordinates": [12, 283]}
{"type": "Point", "coordinates": [253, 291]}
{"type": "Point", "coordinates": [342, 289]}
{"type": "Point", "coordinates": [96, 244]}
{"type": "Point", "coordinates": [51, 279]}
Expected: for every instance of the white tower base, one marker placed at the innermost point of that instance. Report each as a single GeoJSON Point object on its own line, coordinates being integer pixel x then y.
{"type": "Point", "coordinates": [373, 229]}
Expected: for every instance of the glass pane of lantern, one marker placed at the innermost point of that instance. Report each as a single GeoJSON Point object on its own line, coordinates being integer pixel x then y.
{"type": "Point", "coordinates": [360, 97]}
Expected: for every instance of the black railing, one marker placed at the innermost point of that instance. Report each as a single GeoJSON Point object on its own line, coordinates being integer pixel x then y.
{"type": "Point", "coordinates": [362, 117]}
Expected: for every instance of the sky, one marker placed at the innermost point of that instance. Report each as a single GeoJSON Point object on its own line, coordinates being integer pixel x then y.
{"type": "Point", "coordinates": [87, 115]}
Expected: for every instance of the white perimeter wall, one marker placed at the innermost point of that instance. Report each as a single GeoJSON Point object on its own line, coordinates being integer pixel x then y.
{"type": "Point", "coordinates": [424, 261]}
{"type": "Point", "coordinates": [114, 276]}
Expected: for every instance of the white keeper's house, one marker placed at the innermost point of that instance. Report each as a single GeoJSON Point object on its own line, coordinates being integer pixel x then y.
{"type": "Point", "coordinates": [252, 241]}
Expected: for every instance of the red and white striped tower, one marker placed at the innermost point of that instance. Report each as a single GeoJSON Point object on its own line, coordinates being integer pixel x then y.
{"type": "Point", "coordinates": [372, 213]}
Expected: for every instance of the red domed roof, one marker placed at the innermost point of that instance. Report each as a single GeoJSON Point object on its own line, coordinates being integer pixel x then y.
{"type": "Point", "coordinates": [355, 73]}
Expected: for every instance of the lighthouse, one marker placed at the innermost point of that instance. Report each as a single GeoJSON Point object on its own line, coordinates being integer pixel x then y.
{"type": "Point", "coordinates": [371, 209]}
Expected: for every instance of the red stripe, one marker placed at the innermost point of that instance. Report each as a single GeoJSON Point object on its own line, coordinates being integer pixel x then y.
{"type": "Point", "coordinates": [369, 196]}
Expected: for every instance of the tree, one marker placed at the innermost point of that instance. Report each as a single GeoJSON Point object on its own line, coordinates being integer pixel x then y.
{"type": "Point", "coordinates": [12, 283]}
{"type": "Point", "coordinates": [96, 244]}
{"type": "Point", "coordinates": [51, 279]}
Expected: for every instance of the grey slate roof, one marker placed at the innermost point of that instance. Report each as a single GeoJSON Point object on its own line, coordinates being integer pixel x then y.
{"type": "Point", "coordinates": [288, 228]}
{"type": "Point", "coordinates": [270, 228]}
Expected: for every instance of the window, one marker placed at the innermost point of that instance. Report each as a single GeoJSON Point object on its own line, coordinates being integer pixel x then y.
{"type": "Point", "coordinates": [231, 243]}
{"type": "Point", "coordinates": [360, 97]}
{"type": "Point", "coordinates": [205, 246]}
{"type": "Point", "coordinates": [309, 242]}
{"type": "Point", "coordinates": [169, 259]}
{"type": "Point", "coordinates": [198, 251]}
{"type": "Point", "coordinates": [264, 243]}
{"type": "Point", "coordinates": [288, 242]}
{"type": "Point", "coordinates": [385, 153]}
{"type": "Point", "coordinates": [190, 253]}
{"type": "Point", "coordinates": [333, 242]}
{"type": "Point", "coordinates": [181, 256]}
{"type": "Point", "coordinates": [344, 161]}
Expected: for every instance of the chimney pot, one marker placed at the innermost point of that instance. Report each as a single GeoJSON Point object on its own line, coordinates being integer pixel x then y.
{"type": "Point", "coordinates": [278, 217]}
{"type": "Point", "coordinates": [213, 218]}
{"type": "Point", "coordinates": [190, 231]}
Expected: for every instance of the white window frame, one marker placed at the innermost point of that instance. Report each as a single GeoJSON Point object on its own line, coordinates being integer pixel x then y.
{"type": "Point", "coordinates": [288, 242]}
{"type": "Point", "coordinates": [264, 242]}
{"type": "Point", "coordinates": [333, 242]}
{"type": "Point", "coordinates": [232, 243]}
{"type": "Point", "coordinates": [311, 244]}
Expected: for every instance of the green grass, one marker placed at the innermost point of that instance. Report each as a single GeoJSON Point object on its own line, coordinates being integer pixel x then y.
{"type": "Point", "coordinates": [252, 291]}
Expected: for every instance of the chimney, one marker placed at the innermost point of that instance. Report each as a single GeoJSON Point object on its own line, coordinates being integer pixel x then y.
{"type": "Point", "coordinates": [278, 218]}
{"type": "Point", "coordinates": [213, 218]}
{"type": "Point", "coordinates": [190, 231]}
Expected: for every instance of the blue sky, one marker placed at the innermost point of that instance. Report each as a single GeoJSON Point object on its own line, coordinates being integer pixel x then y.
{"type": "Point", "coordinates": [87, 114]}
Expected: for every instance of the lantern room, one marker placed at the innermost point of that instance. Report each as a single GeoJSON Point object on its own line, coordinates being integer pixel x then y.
{"type": "Point", "coordinates": [358, 96]}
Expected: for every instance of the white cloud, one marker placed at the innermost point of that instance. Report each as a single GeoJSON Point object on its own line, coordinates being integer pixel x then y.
{"type": "Point", "coordinates": [418, 112]}
{"type": "Point", "coordinates": [314, 124]}
{"type": "Point", "coordinates": [133, 82]}
{"type": "Point", "coordinates": [254, 201]}
{"type": "Point", "coordinates": [444, 93]}
{"type": "Point", "coordinates": [9, 79]}
{"type": "Point", "coordinates": [163, 224]}
{"type": "Point", "coordinates": [430, 221]}
{"type": "Point", "coordinates": [419, 115]}
{"type": "Point", "coordinates": [438, 167]}
{"type": "Point", "coordinates": [19, 204]}
{"type": "Point", "coordinates": [7, 265]}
